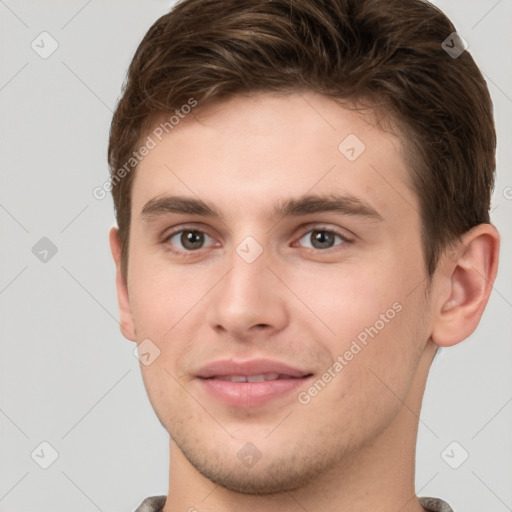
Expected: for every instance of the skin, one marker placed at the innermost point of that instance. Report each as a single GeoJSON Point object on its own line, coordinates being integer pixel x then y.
{"type": "Point", "coordinates": [351, 447]}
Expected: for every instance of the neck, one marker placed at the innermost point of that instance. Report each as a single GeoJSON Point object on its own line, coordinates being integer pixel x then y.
{"type": "Point", "coordinates": [378, 477]}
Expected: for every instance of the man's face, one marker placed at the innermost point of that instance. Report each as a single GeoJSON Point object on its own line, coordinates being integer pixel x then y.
{"type": "Point", "coordinates": [278, 284]}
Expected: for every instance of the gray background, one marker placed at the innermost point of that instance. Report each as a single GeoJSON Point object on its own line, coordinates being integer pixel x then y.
{"type": "Point", "coordinates": [69, 378]}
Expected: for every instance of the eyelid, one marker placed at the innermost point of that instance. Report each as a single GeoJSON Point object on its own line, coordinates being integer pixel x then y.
{"type": "Point", "coordinates": [346, 235]}
{"type": "Point", "coordinates": [168, 234]}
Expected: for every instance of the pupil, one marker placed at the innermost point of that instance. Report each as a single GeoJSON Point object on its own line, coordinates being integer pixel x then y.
{"type": "Point", "coordinates": [192, 239]}
{"type": "Point", "coordinates": [322, 239]}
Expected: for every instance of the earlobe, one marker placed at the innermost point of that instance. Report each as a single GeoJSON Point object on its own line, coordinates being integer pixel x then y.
{"type": "Point", "coordinates": [126, 323]}
{"type": "Point", "coordinates": [469, 277]}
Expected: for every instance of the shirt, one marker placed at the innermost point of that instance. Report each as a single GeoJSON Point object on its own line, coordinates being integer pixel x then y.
{"type": "Point", "coordinates": [156, 504]}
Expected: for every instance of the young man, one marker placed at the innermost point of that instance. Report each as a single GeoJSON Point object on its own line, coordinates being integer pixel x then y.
{"type": "Point", "coordinates": [302, 191]}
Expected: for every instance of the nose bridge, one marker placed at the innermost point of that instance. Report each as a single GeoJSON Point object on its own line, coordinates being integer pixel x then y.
{"type": "Point", "coordinates": [248, 278]}
{"type": "Point", "coordinates": [248, 295]}
{"type": "Point", "coordinates": [248, 262]}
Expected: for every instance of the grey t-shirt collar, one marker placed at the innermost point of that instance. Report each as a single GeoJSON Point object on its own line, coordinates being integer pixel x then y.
{"type": "Point", "coordinates": [156, 504]}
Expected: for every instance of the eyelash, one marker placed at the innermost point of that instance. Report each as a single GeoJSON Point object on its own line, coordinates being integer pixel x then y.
{"type": "Point", "coordinates": [190, 253]}
{"type": "Point", "coordinates": [322, 229]}
{"type": "Point", "coordinates": [184, 253]}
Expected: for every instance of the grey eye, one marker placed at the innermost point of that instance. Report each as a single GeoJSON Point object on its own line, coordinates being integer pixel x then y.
{"type": "Point", "coordinates": [189, 239]}
{"type": "Point", "coordinates": [321, 239]}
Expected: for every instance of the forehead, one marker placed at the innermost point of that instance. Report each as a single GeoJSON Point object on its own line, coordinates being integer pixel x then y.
{"type": "Point", "coordinates": [252, 152]}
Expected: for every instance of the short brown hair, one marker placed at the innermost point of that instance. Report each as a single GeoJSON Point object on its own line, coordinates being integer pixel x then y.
{"type": "Point", "coordinates": [387, 52]}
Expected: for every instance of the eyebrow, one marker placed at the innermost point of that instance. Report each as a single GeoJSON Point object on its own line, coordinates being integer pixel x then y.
{"type": "Point", "coordinates": [346, 205]}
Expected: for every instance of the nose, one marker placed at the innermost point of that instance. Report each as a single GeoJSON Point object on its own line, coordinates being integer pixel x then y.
{"type": "Point", "coordinates": [248, 300]}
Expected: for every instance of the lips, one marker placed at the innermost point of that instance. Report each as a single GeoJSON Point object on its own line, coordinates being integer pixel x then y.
{"type": "Point", "coordinates": [252, 383]}
{"type": "Point", "coordinates": [250, 368]}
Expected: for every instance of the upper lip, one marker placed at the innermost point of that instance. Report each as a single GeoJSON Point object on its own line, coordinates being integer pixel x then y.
{"type": "Point", "coordinates": [230, 367]}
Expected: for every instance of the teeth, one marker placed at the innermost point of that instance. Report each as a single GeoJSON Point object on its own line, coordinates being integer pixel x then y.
{"type": "Point", "coordinates": [256, 378]}
{"type": "Point", "coordinates": [238, 378]}
{"type": "Point", "coordinates": [252, 378]}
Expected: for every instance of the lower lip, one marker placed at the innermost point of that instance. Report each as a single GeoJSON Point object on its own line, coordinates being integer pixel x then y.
{"type": "Point", "coordinates": [250, 394]}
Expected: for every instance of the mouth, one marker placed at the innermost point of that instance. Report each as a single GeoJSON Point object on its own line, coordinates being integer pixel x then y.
{"type": "Point", "coordinates": [264, 377]}
{"type": "Point", "coordinates": [252, 383]}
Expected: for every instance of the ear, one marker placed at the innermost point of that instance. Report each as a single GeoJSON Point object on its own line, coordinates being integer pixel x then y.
{"type": "Point", "coordinates": [126, 319]}
{"type": "Point", "coordinates": [466, 275]}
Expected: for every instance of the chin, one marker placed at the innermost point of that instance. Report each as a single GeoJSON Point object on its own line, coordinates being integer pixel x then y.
{"type": "Point", "coordinates": [281, 474]}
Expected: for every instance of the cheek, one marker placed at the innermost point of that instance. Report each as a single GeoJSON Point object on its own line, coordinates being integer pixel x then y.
{"type": "Point", "coordinates": [162, 296]}
{"type": "Point", "coordinates": [391, 349]}
{"type": "Point", "coordinates": [344, 300]}
{"type": "Point", "coordinates": [370, 321]}
{"type": "Point", "coordinates": [162, 389]}
{"type": "Point", "coordinates": [376, 369]}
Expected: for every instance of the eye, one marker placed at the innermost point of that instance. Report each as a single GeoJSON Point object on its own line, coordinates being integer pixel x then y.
{"type": "Point", "coordinates": [321, 239]}
{"type": "Point", "coordinates": [189, 239]}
